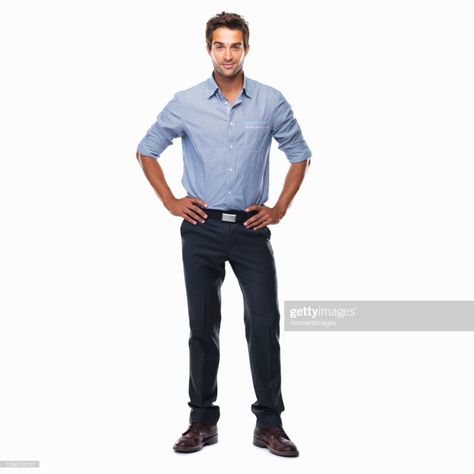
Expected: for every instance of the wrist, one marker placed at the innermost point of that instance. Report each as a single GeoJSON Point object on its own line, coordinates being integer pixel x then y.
{"type": "Point", "coordinates": [168, 200]}
{"type": "Point", "coordinates": [281, 210]}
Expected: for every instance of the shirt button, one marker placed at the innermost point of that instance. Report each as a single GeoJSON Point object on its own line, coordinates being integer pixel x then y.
{"type": "Point", "coordinates": [230, 169]}
{"type": "Point", "coordinates": [232, 123]}
{"type": "Point", "coordinates": [232, 146]}
{"type": "Point", "coordinates": [229, 192]}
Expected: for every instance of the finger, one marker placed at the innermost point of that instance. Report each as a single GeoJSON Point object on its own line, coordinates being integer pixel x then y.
{"type": "Point", "coordinates": [193, 215]}
{"type": "Point", "coordinates": [262, 225]}
{"type": "Point", "coordinates": [252, 220]}
{"type": "Point", "coordinates": [254, 207]}
{"type": "Point", "coordinates": [198, 210]}
{"type": "Point", "coordinates": [261, 212]}
{"type": "Point", "coordinates": [188, 219]}
{"type": "Point", "coordinates": [198, 201]}
{"type": "Point", "coordinates": [256, 220]}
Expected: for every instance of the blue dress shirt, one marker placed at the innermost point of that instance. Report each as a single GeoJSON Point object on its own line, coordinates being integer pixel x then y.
{"type": "Point", "coordinates": [226, 148]}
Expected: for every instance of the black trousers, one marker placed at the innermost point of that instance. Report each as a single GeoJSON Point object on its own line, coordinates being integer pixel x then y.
{"type": "Point", "coordinates": [205, 249]}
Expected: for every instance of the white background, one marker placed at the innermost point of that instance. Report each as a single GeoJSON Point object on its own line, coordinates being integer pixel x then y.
{"type": "Point", "coordinates": [93, 334]}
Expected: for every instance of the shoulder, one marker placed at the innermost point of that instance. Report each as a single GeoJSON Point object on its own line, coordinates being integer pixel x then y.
{"type": "Point", "coordinates": [192, 92]}
{"type": "Point", "coordinates": [265, 91]}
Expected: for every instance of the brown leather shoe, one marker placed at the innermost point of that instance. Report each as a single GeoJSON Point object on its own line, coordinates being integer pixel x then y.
{"type": "Point", "coordinates": [275, 440]}
{"type": "Point", "coordinates": [195, 437]}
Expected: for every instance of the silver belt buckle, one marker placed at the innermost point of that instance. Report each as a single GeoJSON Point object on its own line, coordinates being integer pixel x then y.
{"type": "Point", "coordinates": [229, 217]}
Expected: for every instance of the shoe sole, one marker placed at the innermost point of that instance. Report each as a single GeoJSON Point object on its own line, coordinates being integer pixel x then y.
{"type": "Point", "coordinates": [262, 444]}
{"type": "Point", "coordinates": [206, 442]}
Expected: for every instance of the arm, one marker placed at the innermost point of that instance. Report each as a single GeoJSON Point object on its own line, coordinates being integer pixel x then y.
{"type": "Point", "coordinates": [185, 207]}
{"type": "Point", "coordinates": [156, 177]}
{"type": "Point", "coordinates": [293, 181]}
{"type": "Point", "coordinates": [160, 135]}
{"type": "Point", "coordinates": [273, 215]}
{"type": "Point", "coordinates": [287, 132]}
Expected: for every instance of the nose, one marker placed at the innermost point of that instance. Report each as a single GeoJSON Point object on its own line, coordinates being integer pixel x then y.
{"type": "Point", "coordinates": [227, 56]}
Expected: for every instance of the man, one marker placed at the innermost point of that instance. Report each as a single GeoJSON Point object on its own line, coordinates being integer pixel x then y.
{"type": "Point", "coordinates": [226, 124]}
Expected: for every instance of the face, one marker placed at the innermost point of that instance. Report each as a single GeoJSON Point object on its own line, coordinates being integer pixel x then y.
{"type": "Point", "coordinates": [227, 52]}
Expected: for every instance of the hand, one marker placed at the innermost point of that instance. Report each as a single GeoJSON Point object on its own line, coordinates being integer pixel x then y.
{"type": "Point", "coordinates": [266, 215]}
{"type": "Point", "coordinates": [187, 209]}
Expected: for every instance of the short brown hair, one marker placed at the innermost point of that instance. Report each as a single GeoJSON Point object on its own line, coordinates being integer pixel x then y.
{"type": "Point", "coordinates": [227, 20]}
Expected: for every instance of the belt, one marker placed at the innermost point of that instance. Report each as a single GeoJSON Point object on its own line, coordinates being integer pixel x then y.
{"type": "Point", "coordinates": [229, 216]}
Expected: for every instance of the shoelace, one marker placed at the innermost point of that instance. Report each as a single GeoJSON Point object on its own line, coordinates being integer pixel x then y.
{"type": "Point", "coordinates": [193, 427]}
{"type": "Point", "coordinates": [279, 431]}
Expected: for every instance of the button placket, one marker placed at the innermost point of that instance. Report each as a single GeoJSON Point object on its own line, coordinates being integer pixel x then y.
{"type": "Point", "coordinates": [231, 136]}
{"type": "Point", "coordinates": [229, 156]}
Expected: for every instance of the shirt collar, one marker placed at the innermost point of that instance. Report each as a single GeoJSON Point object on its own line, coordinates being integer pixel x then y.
{"type": "Point", "coordinates": [212, 86]}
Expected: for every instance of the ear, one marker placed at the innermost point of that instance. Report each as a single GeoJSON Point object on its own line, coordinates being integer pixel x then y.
{"type": "Point", "coordinates": [247, 49]}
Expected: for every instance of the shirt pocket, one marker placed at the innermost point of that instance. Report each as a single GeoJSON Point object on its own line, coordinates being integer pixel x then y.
{"type": "Point", "coordinates": [256, 134]}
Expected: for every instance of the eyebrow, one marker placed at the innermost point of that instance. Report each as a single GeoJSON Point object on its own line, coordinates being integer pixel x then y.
{"type": "Point", "coordinates": [233, 44]}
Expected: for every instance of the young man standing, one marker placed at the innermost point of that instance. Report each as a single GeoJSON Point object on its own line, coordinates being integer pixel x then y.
{"type": "Point", "coordinates": [226, 124]}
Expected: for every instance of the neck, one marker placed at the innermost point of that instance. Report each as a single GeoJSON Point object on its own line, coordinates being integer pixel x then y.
{"type": "Point", "coordinates": [229, 85]}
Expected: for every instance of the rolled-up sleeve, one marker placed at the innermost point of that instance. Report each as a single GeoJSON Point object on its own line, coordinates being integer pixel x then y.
{"type": "Point", "coordinates": [287, 132]}
{"type": "Point", "coordinates": [168, 125]}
